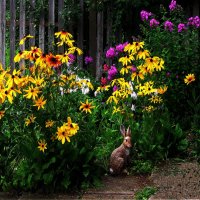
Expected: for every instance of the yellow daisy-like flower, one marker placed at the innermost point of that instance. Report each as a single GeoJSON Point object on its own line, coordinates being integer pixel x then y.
{"type": "Point", "coordinates": [162, 90]}
{"type": "Point", "coordinates": [126, 60]}
{"type": "Point", "coordinates": [73, 127]}
{"type": "Point", "coordinates": [189, 78]}
{"type": "Point", "coordinates": [30, 120]}
{"type": "Point", "coordinates": [63, 133]}
{"type": "Point", "coordinates": [143, 54]}
{"type": "Point", "coordinates": [137, 75]}
{"type": "Point", "coordinates": [125, 70]}
{"type": "Point", "coordinates": [32, 92]}
{"type": "Point", "coordinates": [112, 99]}
{"type": "Point", "coordinates": [42, 145]}
{"type": "Point", "coordinates": [103, 88]}
{"type": "Point", "coordinates": [148, 109]}
{"type": "Point", "coordinates": [49, 123]}
{"type": "Point", "coordinates": [86, 107]}
{"type": "Point", "coordinates": [2, 112]}
{"type": "Point", "coordinates": [24, 39]}
{"type": "Point", "coordinates": [40, 102]}
{"type": "Point", "coordinates": [116, 110]}
{"type": "Point", "coordinates": [155, 99]}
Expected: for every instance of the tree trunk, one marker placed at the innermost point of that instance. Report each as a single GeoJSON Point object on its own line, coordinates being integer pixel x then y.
{"type": "Point", "coordinates": [12, 32]}
{"type": "Point", "coordinates": [99, 45]}
{"type": "Point", "coordinates": [92, 39]}
{"type": "Point", "coordinates": [42, 30]}
{"type": "Point", "coordinates": [51, 25]}
{"type": "Point", "coordinates": [32, 23]}
{"type": "Point", "coordinates": [80, 33]}
{"type": "Point", "coordinates": [60, 21]}
{"type": "Point", "coordinates": [22, 27]}
{"type": "Point", "coordinates": [3, 32]}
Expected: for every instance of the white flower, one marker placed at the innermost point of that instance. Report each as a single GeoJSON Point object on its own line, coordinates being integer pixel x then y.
{"type": "Point", "coordinates": [133, 107]}
{"type": "Point", "coordinates": [134, 95]}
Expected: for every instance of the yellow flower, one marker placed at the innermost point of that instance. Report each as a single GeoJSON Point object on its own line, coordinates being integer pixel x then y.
{"type": "Point", "coordinates": [42, 145]}
{"type": "Point", "coordinates": [2, 112]}
{"type": "Point", "coordinates": [73, 127]}
{"type": "Point", "coordinates": [125, 60]}
{"type": "Point", "coordinates": [116, 110]}
{"type": "Point", "coordinates": [112, 99]}
{"type": "Point", "coordinates": [103, 88]}
{"type": "Point", "coordinates": [137, 75]}
{"type": "Point", "coordinates": [86, 107]}
{"type": "Point", "coordinates": [189, 78]}
{"type": "Point", "coordinates": [151, 63]}
{"type": "Point", "coordinates": [155, 99]}
{"type": "Point", "coordinates": [40, 102]}
{"type": "Point", "coordinates": [125, 70]}
{"type": "Point", "coordinates": [162, 90]}
{"type": "Point", "coordinates": [148, 109]}
{"type": "Point", "coordinates": [143, 54]}
{"type": "Point", "coordinates": [49, 123]}
{"type": "Point", "coordinates": [63, 133]}
{"type": "Point", "coordinates": [24, 39]}
{"type": "Point", "coordinates": [30, 120]}
{"type": "Point", "coordinates": [32, 92]}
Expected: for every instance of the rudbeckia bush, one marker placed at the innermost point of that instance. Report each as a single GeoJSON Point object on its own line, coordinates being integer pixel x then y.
{"type": "Point", "coordinates": [47, 131]}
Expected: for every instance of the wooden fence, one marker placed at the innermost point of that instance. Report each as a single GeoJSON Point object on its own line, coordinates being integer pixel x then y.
{"type": "Point", "coordinates": [95, 28]}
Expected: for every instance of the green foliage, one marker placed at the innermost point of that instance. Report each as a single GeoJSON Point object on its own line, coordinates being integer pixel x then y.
{"type": "Point", "coordinates": [142, 166]}
{"type": "Point", "coordinates": [145, 193]}
{"type": "Point", "coordinates": [180, 51]}
{"type": "Point", "coordinates": [157, 137]}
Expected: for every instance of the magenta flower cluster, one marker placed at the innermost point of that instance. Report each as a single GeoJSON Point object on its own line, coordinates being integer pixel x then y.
{"type": "Point", "coordinates": [88, 60]}
{"type": "Point", "coordinates": [194, 21]}
{"type": "Point", "coordinates": [112, 72]}
{"type": "Point", "coordinates": [172, 5]}
{"type": "Point", "coordinates": [145, 15]}
{"type": "Point", "coordinates": [168, 26]}
{"type": "Point", "coordinates": [114, 51]}
{"type": "Point", "coordinates": [181, 27]}
{"type": "Point", "coordinates": [154, 23]}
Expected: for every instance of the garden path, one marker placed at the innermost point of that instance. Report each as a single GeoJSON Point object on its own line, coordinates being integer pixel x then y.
{"type": "Point", "coordinates": [174, 180]}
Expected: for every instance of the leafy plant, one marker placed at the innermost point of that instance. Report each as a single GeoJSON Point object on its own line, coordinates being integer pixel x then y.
{"type": "Point", "coordinates": [145, 193]}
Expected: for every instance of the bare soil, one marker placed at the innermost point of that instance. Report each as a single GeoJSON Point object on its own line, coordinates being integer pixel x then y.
{"type": "Point", "coordinates": [173, 180]}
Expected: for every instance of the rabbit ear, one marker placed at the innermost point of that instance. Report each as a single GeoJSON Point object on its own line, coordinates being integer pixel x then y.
{"type": "Point", "coordinates": [122, 129]}
{"type": "Point", "coordinates": [128, 132]}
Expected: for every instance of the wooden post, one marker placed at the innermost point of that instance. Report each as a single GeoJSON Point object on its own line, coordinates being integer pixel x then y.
{"type": "Point", "coordinates": [22, 26]}
{"type": "Point", "coordinates": [99, 56]}
{"type": "Point", "coordinates": [32, 23]}
{"type": "Point", "coordinates": [3, 32]}
{"type": "Point", "coordinates": [60, 21]}
{"type": "Point", "coordinates": [42, 30]}
{"type": "Point", "coordinates": [12, 32]}
{"type": "Point", "coordinates": [80, 33]}
{"type": "Point", "coordinates": [51, 24]}
{"type": "Point", "coordinates": [93, 39]}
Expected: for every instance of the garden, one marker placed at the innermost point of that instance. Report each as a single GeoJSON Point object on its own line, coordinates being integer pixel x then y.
{"type": "Point", "coordinates": [59, 124]}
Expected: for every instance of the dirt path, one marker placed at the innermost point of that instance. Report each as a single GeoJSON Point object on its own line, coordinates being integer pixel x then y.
{"type": "Point", "coordinates": [173, 180]}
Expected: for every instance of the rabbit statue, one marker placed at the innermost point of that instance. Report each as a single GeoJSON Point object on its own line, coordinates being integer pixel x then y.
{"type": "Point", "coordinates": [120, 156]}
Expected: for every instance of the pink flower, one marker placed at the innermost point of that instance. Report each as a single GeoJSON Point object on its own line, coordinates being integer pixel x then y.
{"type": "Point", "coordinates": [112, 72]}
{"type": "Point", "coordinates": [144, 15]}
{"type": "Point", "coordinates": [115, 88]}
{"type": "Point", "coordinates": [181, 27]}
{"type": "Point", "coordinates": [194, 21]}
{"type": "Point", "coordinates": [110, 53]}
{"type": "Point", "coordinates": [169, 26]}
{"type": "Point", "coordinates": [72, 58]}
{"type": "Point", "coordinates": [154, 23]}
{"type": "Point", "coordinates": [103, 81]}
{"type": "Point", "coordinates": [106, 67]}
{"type": "Point", "coordinates": [172, 5]}
{"type": "Point", "coordinates": [88, 60]}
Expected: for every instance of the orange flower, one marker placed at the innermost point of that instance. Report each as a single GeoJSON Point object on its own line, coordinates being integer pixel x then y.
{"type": "Point", "coordinates": [53, 61]}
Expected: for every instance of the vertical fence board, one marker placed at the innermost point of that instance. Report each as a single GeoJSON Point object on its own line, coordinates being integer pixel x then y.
{"type": "Point", "coordinates": [32, 23]}
{"type": "Point", "coordinates": [42, 30]}
{"type": "Point", "coordinates": [51, 25]}
{"type": "Point", "coordinates": [3, 32]}
{"type": "Point", "coordinates": [22, 27]}
{"type": "Point", "coordinates": [92, 38]}
{"type": "Point", "coordinates": [80, 33]}
{"type": "Point", "coordinates": [12, 32]}
{"type": "Point", "coordinates": [99, 44]}
{"type": "Point", "coordinates": [60, 21]}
